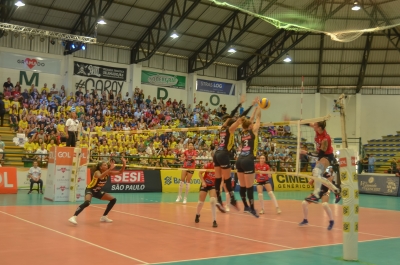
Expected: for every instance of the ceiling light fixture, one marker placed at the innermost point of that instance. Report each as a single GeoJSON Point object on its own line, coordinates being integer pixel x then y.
{"type": "Point", "coordinates": [356, 7]}
{"type": "Point", "coordinates": [231, 50]}
{"type": "Point", "coordinates": [174, 35]}
{"type": "Point", "coordinates": [101, 21]}
{"type": "Point", "coordinates": [287, 59]}
{"type": "Point", "coordinates": [19, 4]}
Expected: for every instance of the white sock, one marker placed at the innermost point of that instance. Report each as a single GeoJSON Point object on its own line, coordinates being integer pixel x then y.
{"type": "Point", "coordinates": [305, 209]}
{"type": "Point", "coordinates": [273, 198]}
{"type": "Point", "coordinates": [328, 211]}
{"type": "Point", "coordinates": [199, 207]}
{"type": "Point", "coordinates": [227, 198]}
{"type": "Point", "coordinates": [261, 199]}
{"type": "Point", "coordinates": [213, 202]}
{"type": "Point", "coordinates": [187, 189]}
{"type": "Point", "coordinates": [180, 188]}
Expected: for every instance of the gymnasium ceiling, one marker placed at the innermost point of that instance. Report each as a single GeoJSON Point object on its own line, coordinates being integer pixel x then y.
{"type": "Point", "coordinates": [372, 60]}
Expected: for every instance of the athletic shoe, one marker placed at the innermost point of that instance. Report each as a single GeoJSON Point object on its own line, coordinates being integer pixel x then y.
{"type": "Point", "coordinates": [197, 218]}
{"type": "Point", "coordinates": [331, 223]}
{"type": "Point", "coordinates": [73, 220]}
{"type": "Point", "coordinates": [262, 211]}
{"type": "Point", "coordinates": [179, 199]}
{"type": "Point", "coordinates": [278, 210]}
{"type": "Point", "coordinates": [227, 208]}
{"type": "Point", "coordinates": [247, 209]}
{"type": "Point", "coordinates": [220, 208]}
{"type": "Point", "coordinates": [312, 199]}
{"type": "Point", "coordinates": [254, 213]}
{"type": "Point", "coordinates": [304, 223]}
{"type": "Point", "coordinates": [184, 200]}
{"type": "Point", "coordinates": [338, 197]}
{"type": "Point", "coordinates": [105, 219]}
{"type": "Point", "coordinates": [234, 204]}
{"type": "Point", "coordinates": [215, 224]}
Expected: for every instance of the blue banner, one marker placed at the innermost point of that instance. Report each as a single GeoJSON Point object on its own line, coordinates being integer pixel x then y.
{"type": "Point", "coordinates": [378, 184]}
{"type": "Point", "coordinates": [215, 87]}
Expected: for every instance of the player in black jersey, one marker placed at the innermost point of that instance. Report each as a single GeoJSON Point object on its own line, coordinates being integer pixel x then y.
{"type": "Point", "coordinates": [221, 157]}
{"type": "Point", "coordinates": [103, 171]}
{"type": "Point", "coordinates": [245, 162]}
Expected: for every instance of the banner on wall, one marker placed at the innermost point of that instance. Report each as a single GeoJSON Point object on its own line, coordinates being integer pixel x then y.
{"type": "Point", "coordinates": [215, 87]}
{"type": "Point", "coordinates": [378, 184]}
{"type": "Point", "coordinates": [283, 182]}
{"type": "Point", "coordinates": [100, 85]}
{"type": "Point", "coordinates": [134, 181]}
{"type": "Point", "coordinates": [170, 180]}
{"type": "Point", "coordinates": [30, 63]}
{"type": "Point", "coordinates": [99, 71]}
{"type": "Point", "coordinates": [163, 80]}
{"type": "Point", "coordinates": [8, 180]}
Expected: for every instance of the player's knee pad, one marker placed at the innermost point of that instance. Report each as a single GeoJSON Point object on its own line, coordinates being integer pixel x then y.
{"type": "Point", "coordinates": [200, 202]}
{"type": "Point", "coordinates": [318, 170]}
{"type": "Point", "coordinates": [304, 203]}
{"type": "Point", "coordinates": [213, 200]}
{"type": "Point", "coordinates": [260, 196]}
{"type": "Point", "coordinates": [325, 205]}
{"type": "Point", "coordinates": [86, 204]}
{"type": "Point", "coordinates": [113, 201]}
{"type": "Point", "coordinates": [270, 193]}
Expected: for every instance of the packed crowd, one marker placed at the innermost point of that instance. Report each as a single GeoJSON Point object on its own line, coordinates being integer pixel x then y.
{"type": "Point", "coordinates": [112, 117]}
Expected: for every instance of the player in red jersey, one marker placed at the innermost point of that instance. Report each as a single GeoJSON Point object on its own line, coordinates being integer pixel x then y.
{"type": "Point", "coordinates": [207, 186]}
{"type": "Point", "coordinates": [325, 159]}
{"type": "Point", "coordinates": [263, 181]}
{"type": "Point", "coordinates": [189, 157]}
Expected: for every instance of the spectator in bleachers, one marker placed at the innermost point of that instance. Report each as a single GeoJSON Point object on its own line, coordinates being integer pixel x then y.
{"type": "Point", "coordinates": [8, 85]}
{"type": "Point", "coordinates": [365, 162]}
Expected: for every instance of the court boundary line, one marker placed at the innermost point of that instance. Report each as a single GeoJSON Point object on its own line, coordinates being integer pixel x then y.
{"type": "Point", "coordinates": [270, 251]}
{"type": "Point", "coordinates": [266, 218]}
{"type": "Point", "coordinates": [76, 238]}
{"type": "Point", "coordinates": [197, 228]}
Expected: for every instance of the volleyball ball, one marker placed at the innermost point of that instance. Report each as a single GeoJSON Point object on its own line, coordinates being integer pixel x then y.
{"type": "Point", "coordinates": [264, 103]}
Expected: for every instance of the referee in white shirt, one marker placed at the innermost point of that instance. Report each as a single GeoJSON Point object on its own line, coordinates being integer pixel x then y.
{"type": "Point", "coordinates": [71, 129]}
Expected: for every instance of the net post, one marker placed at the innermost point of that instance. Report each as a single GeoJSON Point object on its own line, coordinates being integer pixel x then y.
{"type": "Point", "coordinates": [349, 185]}
{"type": "Point", "coordinates": [76, 160]}
{"type": "Point", "coordinates": [298, 148]}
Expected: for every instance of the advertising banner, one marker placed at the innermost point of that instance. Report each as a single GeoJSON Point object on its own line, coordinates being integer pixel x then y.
{"type": "Point", "coordinates": [378, 184]}
{"type": "Point", "coordinates": [30, 63]}
{"type": "Point", "coordinates": [8, 180]}
{"type": "Point", "coordinates": [215, 87]}
{"type": "Point", "coordinates": [134, 181]}
{"type": "Point", "coordinates": [163, 80]}
{"type": "Point", "coordinates": [99, 71]}
{"type": "Point", "coordinates": [284, 182]}
{"type": "Point", "coordinates": [170, 180]}
{"type": "Point", "coordinates": [100, 85]}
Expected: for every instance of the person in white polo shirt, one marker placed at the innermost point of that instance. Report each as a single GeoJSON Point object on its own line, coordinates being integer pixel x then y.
{"type": "Point", "coordinates": [34, 174]}
{"type": "Point", "coordinates": [71, 128]}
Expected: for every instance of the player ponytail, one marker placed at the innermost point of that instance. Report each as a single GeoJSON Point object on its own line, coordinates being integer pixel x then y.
{"type": "Point", "coordinates": [322, 124]}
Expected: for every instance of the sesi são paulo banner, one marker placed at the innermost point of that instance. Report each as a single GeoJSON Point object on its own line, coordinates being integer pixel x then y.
{"type": "Point", "coordinates": [134, 181]}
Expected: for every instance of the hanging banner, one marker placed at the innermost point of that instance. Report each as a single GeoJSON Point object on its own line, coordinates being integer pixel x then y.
{"type": "Point", "coordinates": [30, 63]}
{"type": "Point", "coordinates": [384, 184]}
{"type": "Point", "coordinates": [100, 85]}
{"type": "Point", "coordinates": [99, 71]}
{"type": "Point", "coordinates": [164, 80]}
{"type": "Point", "coordinates": [215, 87]}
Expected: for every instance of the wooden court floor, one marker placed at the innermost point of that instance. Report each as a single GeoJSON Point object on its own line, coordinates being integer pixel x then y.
{"type": "Point", "coordinates": [150, 228]}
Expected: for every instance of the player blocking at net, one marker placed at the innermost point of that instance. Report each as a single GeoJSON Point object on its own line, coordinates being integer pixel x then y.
{"type": "Point", "coordinates": [94, 189]}
{"type": "Point", "coordinates": [221, 157]}
{"type": "Point", "coordinates": [207, 186]}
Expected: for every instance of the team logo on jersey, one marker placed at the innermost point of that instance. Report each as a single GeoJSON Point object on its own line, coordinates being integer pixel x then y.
{"type": "Point", "coordinates": [168, 181]}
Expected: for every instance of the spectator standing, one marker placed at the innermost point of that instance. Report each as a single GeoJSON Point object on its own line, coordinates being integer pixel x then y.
{"type": "Point", "coordinates": [371, 163]}
{"type": "Point", "coordinates": [35, 174]}
{"type": "Point", "coordinates": [2, 111]}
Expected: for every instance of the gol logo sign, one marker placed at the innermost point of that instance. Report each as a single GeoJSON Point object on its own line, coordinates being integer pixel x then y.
{"type": "Point", "coordinates": [63, 155]}
{"type": "Point", "coordinates": [4, 181]}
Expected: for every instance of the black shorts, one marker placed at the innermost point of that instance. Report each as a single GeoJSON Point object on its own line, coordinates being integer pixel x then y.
{"type": "Point", "coordinates": [330, 158]}
{"type": "Point", "coordinates": [221, 159]}
{"type": "Point", "coordinates": [245, 164]}
{"type": "Point", "coordinates": [207, 189]}
{"type": "Point", "coordinates": [263, 183]}
{"type": "Point", "coordinates": [95, 194]}
{"type": "Point", "coordinates": [190, 171]}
